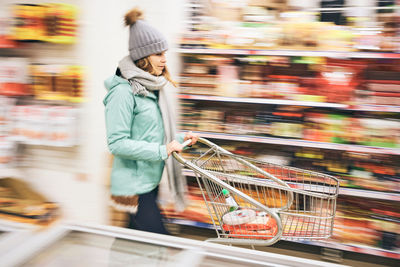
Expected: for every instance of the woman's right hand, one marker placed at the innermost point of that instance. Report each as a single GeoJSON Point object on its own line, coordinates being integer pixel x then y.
{"type": "Point", "coordinates": [174, 146]}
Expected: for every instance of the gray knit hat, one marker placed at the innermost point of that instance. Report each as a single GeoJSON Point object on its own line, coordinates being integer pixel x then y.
{"type": "Point", "coordinates": [144, 40]}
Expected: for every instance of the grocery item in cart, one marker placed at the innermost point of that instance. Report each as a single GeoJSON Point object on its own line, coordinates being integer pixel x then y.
{"type": "Point", "coordinates": [229, 200]}
{"type": "Point", "coordinates": [249, 223]}
{"type": "Point", "coordinates": [239, 217]}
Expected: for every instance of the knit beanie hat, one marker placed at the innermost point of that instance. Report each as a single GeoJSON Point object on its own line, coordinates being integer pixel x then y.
{"type": "Point", "coordinates": [144, 40]}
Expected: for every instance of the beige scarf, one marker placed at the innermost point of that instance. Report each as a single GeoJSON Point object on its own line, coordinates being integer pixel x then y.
{"type": "Point", "coordinates": [142, 82]}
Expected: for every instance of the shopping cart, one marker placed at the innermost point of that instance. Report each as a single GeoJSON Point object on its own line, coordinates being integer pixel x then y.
{"type": "Point", "coordinates": [252, 202]}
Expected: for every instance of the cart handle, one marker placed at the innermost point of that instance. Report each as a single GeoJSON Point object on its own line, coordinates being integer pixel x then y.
{"type": "Point", "coordinates": [182, 160]}
{"type": "Point", "coordinates": [187, 142]}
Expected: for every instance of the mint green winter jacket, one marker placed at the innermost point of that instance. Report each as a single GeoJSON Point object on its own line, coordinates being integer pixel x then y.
{"type": "Point", "coordinates": [135, 136]}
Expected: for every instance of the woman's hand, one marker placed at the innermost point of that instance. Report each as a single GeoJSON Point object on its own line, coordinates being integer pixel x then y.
{"type": "Point", "coordinates": [174, 146]}
{"type": "Point", "coordinates": [193, 136]}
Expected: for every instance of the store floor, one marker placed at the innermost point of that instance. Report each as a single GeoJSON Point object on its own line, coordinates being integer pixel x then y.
{"type": "Point", "coordinates": [293, 249]}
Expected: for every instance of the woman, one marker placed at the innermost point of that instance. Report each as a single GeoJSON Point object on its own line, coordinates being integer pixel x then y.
{"type": "Point", "coordinates": [141, 115]}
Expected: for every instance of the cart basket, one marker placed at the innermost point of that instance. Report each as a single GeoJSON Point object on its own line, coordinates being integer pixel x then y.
{"type": "Point", "coordinates": [253, 202]}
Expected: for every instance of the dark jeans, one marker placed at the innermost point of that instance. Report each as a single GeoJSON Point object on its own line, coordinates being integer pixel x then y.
{"type": "Point", "coordinates": [148, 217]}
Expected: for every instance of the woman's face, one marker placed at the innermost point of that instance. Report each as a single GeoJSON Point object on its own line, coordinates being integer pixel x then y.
{"type": "Point", "coordinates": [158, 62]}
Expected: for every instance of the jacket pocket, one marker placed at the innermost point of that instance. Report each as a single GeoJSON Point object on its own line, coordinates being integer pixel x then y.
{"type": "Point", "coordinates": [150, 172]}
{"type": "Point", "coordinates": [132, 165]}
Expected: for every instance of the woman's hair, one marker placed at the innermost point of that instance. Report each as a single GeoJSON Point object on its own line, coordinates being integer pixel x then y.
{"type": "Point", "coordinates": [145, 64]}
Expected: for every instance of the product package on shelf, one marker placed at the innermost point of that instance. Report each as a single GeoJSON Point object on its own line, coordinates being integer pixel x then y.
{"type": "Point", "coordinates": [14, 76]}
{"type": "Point", "coordinates": [61, 23]}
{"type": "Point", "coordinates": [380, 92]}
{"type": "Point", "coordinates": [215, 77]}
{"type": "Point", "coordinates": [385, 39]}
{"type": "Point", "coordinates": [45, 125]}
{"type": "Point", "coordinates": [381, 84]}
{"type": "Point", "coordinates": [57, 82]}
{"type": "Point", "coordinates": [338, 79]}
{"type": "Point", "coordinates": [55, 22]}
{"type": "Point", "coordinates": [19, 202]}
{"type": "Point", "coordinates": [193, 83]}
{"type": "Point", "coordinates": [352, 129]}
{"type": "Point", "coordinates": [356, 170]}
{"type": "Point", "coordinates": [368, 222]}
{"type": "Point", "coordinates": [28, 22]}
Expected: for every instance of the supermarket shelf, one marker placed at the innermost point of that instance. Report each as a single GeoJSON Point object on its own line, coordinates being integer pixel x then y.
{"type": "Point", "coordinates": [346, 247]}
{"type": "Point", "coordinates": [356, 248]}
{"type": "Point", "coordinates": [251, 100]}
{"type": "Point", "coordinates": [261, 101]}
{"type": "Point", "coordinates": [301, 143]}
{"type": "Point", "coordinates": [262, 52]}
{"type": "Point", "coordinates": [344, 191]}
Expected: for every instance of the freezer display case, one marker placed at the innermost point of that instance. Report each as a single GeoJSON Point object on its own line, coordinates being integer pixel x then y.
{"type": "Point", "coordinates": [12, 234]}
{"type": "Point", "coordinates": [93, 245]}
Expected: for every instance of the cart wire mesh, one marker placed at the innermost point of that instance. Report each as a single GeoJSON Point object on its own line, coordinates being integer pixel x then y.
{"type": "Point", "coordinates": [265, 202]}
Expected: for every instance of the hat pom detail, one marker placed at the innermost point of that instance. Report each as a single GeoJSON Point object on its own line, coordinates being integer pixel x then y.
{"type": "Point", "coordinates": [144, 39]}
{"type": "Point", "coordinates": [132, 16]}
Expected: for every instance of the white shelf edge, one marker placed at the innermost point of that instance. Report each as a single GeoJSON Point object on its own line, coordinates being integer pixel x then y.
{"type": "Point", "coordinates": [299, 142]}
{"type": "Point", "coordinates": [253, 100]}
{"type": "Point", "coordinates": [345, 191]}
{"type": "Point", "coordinates": [260, 101]}
{"type": "Point", "coordinates": [265, 52]}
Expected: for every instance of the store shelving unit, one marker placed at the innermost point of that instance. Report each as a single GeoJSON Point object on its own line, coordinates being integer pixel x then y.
{"type": "Point", "coordinates": [41, 90]}
{"type": "Point", "coordinates": [194, 47]}
{"type": "Point", "coordinates": [371, 194]}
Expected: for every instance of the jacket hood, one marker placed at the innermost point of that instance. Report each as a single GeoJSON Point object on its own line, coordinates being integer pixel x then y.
{"type": "Point", "coordinates": [111, 83]}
